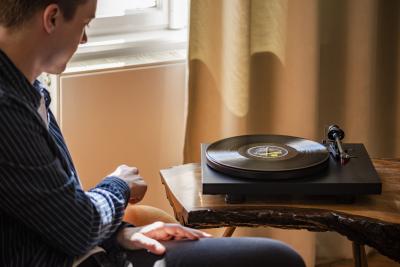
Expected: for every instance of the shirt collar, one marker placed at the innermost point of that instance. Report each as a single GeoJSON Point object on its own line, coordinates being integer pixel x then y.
{"type": "Point", "coordinates": [16, 83]}
{"type": "Point", "coordinates": [43, 91]}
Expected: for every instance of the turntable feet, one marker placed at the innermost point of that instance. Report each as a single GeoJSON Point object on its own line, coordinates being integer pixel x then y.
{"type": "Point", "coordinates": [345, 199]}
{"type": "Point", "coordinates": [234, 199]}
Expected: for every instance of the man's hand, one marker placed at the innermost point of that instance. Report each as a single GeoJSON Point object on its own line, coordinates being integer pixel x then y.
{"type": "Point", "coordinates": [135, 182]}
{"type": "Point", "coordinates": [147, 237]}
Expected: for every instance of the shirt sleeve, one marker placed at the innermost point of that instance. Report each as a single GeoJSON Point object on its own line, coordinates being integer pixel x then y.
{"type": "Point", "coordinates": [36, 190]}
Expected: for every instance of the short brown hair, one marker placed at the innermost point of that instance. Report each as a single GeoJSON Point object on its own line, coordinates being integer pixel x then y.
{"type": "Point", "coordinates": [14, 13]}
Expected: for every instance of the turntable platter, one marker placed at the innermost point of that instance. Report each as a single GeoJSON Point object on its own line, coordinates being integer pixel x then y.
{"type": "Point", "coordinates": [267, 156]}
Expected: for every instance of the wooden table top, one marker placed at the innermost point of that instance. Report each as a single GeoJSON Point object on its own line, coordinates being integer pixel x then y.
{"type": "Point", "coordinates": [371, 220]}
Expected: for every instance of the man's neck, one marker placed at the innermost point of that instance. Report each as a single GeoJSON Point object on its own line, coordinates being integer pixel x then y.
{"type": "Point", "coordinates": [20, 48]}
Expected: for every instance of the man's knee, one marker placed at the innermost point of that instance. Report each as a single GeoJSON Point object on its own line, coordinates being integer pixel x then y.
{"type": "Point", "coordinates": [233, 252]}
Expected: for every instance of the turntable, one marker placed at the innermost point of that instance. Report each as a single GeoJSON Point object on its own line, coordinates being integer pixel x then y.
{"type": "Point", "coordinates": [259, 166]}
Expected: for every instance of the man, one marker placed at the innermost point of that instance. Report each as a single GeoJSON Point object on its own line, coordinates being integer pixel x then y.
{"type": "Point", "coordinates": [46, 219]}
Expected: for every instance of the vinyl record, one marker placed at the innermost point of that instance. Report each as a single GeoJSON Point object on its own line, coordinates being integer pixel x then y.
{"type": "Point", "coordinates": [267, 156]}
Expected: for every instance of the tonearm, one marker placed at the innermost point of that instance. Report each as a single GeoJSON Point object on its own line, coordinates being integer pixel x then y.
{"type": "Point", "coordinates": [335, 147]}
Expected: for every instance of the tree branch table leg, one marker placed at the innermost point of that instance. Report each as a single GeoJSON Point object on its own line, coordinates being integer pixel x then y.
{"type": "Point", "coordinates": [229, 231]}
{"type": "Point", "coordinates": [360, 258]}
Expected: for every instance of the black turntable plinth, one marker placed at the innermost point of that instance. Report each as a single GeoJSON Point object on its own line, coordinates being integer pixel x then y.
{"type": "Point", "coordinates": [355, 178]}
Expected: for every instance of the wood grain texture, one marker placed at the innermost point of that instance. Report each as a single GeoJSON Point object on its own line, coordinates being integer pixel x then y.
{"type": "Point", "coordinates": [371, 220]}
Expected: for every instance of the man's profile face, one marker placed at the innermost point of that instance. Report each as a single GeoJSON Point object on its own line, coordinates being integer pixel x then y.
{"type": "Point", "coordinates": [66, 37]}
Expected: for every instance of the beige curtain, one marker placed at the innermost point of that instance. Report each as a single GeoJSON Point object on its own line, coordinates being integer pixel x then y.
{"type": "Point", "coordinates": [293, 67]}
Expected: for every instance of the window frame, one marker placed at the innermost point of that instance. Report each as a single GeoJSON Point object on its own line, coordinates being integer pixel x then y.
{"type": "Point", "coordinates": [148, 19]}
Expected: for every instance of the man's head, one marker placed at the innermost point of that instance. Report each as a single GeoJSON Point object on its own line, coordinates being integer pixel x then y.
{"type": "Point", "coordinates": [14, 13]}
{"type": "Point", "coordinates": [42, 35]}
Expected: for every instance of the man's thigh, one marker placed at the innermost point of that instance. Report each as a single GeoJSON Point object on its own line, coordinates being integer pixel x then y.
{"type": "Point", "coordinates": [219, 252]}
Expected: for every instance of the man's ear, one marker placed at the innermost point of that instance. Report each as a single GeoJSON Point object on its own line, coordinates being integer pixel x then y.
{"type": "Point", "coordinates": [51, 17]}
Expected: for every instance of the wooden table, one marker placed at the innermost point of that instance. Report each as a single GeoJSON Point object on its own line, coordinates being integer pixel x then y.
{"type": "Point", "coordinates": [370, 220]}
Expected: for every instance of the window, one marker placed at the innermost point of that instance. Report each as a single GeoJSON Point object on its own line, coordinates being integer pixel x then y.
{"type": "Point", "coordinates": [127, 16]}
{"type": "Point", "coordinates": [112, 8]}
{"type": "Point", "coordinates": [150, 30]}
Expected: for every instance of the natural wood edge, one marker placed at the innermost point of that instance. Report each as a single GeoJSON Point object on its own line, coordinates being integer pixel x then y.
{"type": "Point", "coordinates": [382, 236]}
{"type": "Point", "coordinates": [177, 208]}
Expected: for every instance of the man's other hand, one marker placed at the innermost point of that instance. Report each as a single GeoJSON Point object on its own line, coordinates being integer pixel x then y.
{"type": "Point", "coordinates": [148, 237]}
{"type": "Point", "coordinates": [135, 182]}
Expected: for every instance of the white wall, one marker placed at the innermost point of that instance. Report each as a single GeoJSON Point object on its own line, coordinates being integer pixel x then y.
{"type": "Point", "coordinates": [133, 116]}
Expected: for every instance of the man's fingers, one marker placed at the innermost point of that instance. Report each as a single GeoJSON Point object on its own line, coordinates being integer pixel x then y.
{"type": "Point", "coordinates": [177, 230]}
{"type": "Point", "coordinates": [124, 171]}
{"type": "Point", "coordinates": [201, 233]}
{"type": "Point", "coordinates": [133, 170]}
{"type": "Point", "coordinates": [163, 232]}
{"type": "Point", "coordinates": [152, 245]}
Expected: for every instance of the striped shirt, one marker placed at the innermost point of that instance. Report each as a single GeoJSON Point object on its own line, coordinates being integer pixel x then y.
{"type": "Point", "coordinates": [46, 219]}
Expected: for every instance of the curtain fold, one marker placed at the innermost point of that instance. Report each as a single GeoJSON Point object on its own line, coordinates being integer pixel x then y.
{"type": "Point", "coordinates": [294, 67]}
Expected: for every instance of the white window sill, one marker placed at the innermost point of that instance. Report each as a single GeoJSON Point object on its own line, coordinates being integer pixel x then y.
{"type": "Point", "coordinates": [139, 48]}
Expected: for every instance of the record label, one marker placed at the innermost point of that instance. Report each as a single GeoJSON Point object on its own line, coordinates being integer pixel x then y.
{"type": "Point", "coordinates": [267, 151]}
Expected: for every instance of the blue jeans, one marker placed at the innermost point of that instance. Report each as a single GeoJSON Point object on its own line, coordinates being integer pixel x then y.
{"type": "Point", "coordinates": [219, 252]}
